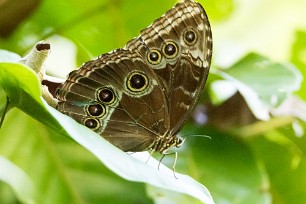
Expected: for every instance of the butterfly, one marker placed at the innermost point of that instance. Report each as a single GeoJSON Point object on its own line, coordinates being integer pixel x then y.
{"type": "Point", "coordinates": [138, 97]}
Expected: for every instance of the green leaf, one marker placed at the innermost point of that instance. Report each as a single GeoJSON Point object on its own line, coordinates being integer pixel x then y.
{"type": "Point", "coordinates": [218, 10]}
{"type": "Point", "coordinates": [61, 170]}
{"type": "Point", "coordinates": [262, 164]}
{"type": "Point", "coordinates": [113, 22]}
{"type": "Point", "coordinates": [128, 167]}
{"type": "Point", "coordinates": [283, 156]}
{"type": "Point", "coordinates": [263, 83]}
{"type": "Point", "coordinates": [18, 180]}
{"type": "Point", "coordinates": [22, 87]}
{"type": "Point", "coordinates": [258, 26]}
{"type": "Point", "coordinates": [227, 164]}
{"type": "Point", "coordinates": [298, 57]}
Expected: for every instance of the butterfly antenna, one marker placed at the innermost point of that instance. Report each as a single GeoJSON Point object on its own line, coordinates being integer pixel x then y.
{"type": "Point", "coordinates": [204, 136]}
{"type": "Point", "coordinates": [5, 110]}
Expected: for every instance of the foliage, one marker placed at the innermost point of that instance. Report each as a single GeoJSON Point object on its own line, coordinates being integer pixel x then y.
{"type": "Point", "coordinates": [256, 153]}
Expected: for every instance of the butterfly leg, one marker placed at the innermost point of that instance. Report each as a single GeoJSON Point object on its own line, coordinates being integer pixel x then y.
{"type": "Point", "coordinates": [173, 167]}
{"type": "Point", "coordinates": [151, 152]}
{"type": "Point", "coordinates": [174, 164]}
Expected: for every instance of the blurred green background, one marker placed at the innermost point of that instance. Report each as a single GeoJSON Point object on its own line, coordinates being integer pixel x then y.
{"type": "Point", "coordinates": [247, 159]}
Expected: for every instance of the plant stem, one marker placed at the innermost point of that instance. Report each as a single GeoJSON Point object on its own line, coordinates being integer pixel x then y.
{"type": "Point", "coordinates": [5, 110]}
{"type": "Point", "coordinates": [262, 127]}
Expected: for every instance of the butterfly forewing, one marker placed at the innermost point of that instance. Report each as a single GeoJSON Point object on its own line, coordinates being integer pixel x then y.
{"type": "Point", "coordinates": [183, 76]}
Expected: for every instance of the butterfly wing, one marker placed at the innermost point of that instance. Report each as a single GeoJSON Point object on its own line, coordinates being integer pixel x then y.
{"type": "Point", "coordinates": [183, 42]}
{"type": "Point", "coordinates": [141, 95]}
{"type": "Point", "coordinates": [118, 96]}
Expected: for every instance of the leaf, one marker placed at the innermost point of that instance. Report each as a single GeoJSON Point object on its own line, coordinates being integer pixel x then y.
{"type": "Point", "coordinates": [298, 57]}
{"type": "Point", "coordinates": [23, 90]}
{"type": "Point", "coordinates": [221, 90]}
{"type": "Point", "coordinates": [18, 180]}
{"type": "Point", "coordinates": [61, 170]}
{"type": "Point", "coordinates": [85, 23]}
{"type": "Point", "coordinates": [128, 167]}
{"type": "Point", "coordinates": [227, 164]}
{"type": "Point", "coordinates": [258, 26]}
{"type": "Point", "coordinates": [261, 168]}
{"type": "Point", "coordinates": [6, 56]}
{"type": "Point", "coordinates": [263, 84]}
{"type": "Point", "coordinates": [283, 156]}
{"type": "Point", "coordinates": [218, 11]}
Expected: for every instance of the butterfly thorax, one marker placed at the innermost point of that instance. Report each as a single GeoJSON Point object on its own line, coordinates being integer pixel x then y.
{"type": "Point", "coordinates": [163, 143]}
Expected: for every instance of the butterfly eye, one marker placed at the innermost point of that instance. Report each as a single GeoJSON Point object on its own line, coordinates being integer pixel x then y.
{"type": "Point", "coordinates": [137, 82]}
{"type": "Point", "coordinates": [170, 50]}
{"type": "Point", "coordinates": [92, 123]}
{"type": "Point", "coordinates": [154, 57]}
{"type": "Point", "coordinates": [179, 142]}
{"type": "Point", "coordinates": [97, 110]}
{"type": "Point", "coordinates": [106, 95]}
{"type": "Point", "coordinates": [190, 37]}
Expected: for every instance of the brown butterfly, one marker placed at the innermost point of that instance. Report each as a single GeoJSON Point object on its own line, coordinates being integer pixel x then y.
{"type": "Point", "coordinates": [138, 97]}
